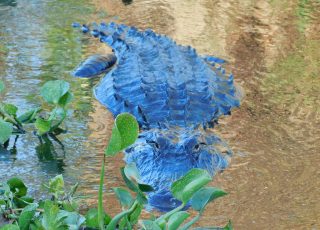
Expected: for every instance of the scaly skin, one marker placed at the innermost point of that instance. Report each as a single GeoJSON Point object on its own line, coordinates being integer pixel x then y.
{"type": "Point", "coordinates": [172, 92]}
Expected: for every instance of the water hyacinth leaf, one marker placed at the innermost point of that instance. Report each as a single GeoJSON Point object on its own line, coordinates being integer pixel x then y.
{"type": "Point", "coordinates": [23, 201]}
{"type": "Point", "coordinates": [2, 86]}
{"type": "Point", "coordinates": [145, 188]}
{"type": "Point", "coordinates": [50, 219]}
{"type": "Point", "coordinates": [132, 218]}
{"type": "Point", "coordinates": [124, 133]}
{"type": "Point", "coordinates": [150, 225]}
{"type": "Point", "coordinates": [65, 99]}
{"type": "Point", "coordinates": [73, 220]}
{"type": "Point", "coordinates": [29, 116]}
{"type": "Point", "coordinates": [10, 109]}
{"type": "Point", "coordinates": [228, 226]}
{"type": "Point", "coordinates": [124, 197]}
{"type": "Point", "coordinates": [114, 145]}
{"type": "Point", "coordinates": [177, 219]}
{"type": "Point", "coordinates": [17, 187]}
{"type": "Point", "coordinates": [134, 187]}
{"type": "Point", "coordinates": [52, 91]}
{"type": "Point", "coordinates": [5, 131]}
{"type": "Point", "coordinates": [204, 196]}
{"type": "Point", "coordinates": [132, 172]}
{"type": "Point", "coordinates": [10, 227]}
{"type": "Point", "coordinates": [92, 218]}
{"type": "Point", "coordinates": [184, 188]}
{"type": "Point", "coordinates": [26, 216]}
{"type": "Point", "coordinates": [130, 184]}
{"type": "Point", "coordinates": [56, 184]}
{"type": "Point", "coordinates": [43, 126]}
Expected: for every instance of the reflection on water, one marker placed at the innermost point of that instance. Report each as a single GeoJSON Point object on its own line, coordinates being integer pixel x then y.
{"type": "Point", "coordinates": [273, 50]}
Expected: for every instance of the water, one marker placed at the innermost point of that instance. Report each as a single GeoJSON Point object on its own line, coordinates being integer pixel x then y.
{"type": "Point", "coordinates": [273, 50]}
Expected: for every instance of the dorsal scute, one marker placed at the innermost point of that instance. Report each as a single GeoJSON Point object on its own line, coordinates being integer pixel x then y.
{"type": "Point", "coordinates": [161, 82]}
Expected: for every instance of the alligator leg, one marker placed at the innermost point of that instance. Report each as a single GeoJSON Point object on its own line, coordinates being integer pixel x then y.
{"type": "Point", "coordinates": [95, 65]}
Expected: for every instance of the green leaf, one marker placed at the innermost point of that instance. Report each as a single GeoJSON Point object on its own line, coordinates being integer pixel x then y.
{"type": "Point", "coordinates": [177, 219]}
{"type": "Point", "coordinates": [72, 219]}
{"type": "Point", "coordinates": [2, 86]}
{"type": "Point", "coordinates": [92, 218]}
{"type": "Point", "coordinates": [26, 216]}
{"type": "Point", "coordinates": [10, 227]}
{"type": "Point", "coordinates": [23, 201]}
{"type": "Point", "coordinates": [133, 187]}
{"type": "Point", "coordinates": [134, 216]}
{"type": "Point", "coordinates": [124, 197]}
{"type": "Point", "coordinates": [28, 116]}
{"type": "Point", "coordinates": [52, 91]}
{"type": "Point", "coordinates": [10, 109]}
{"type": "Point", "coordinates": [132, 172]}
{"type": "Point", "coordinates": [145, 188]}
{"type": "Point", "coordinates": [124, 133]}
{"type": "Point", "coordinates": [130, 184]}
{"type": "Point", "coordinates": [184, 188]}
{"type": "Point", "coordinates": [228, 226]}
{"type": "Point", "coordinates": [65, 99]}
{"type": "Point", "coordinates": [150, 225]}
{"type": "Point", "coordinates": [43, 126]}
{"type": "Point", "coordinates": [204, 196]}
{"type": "Point", "coordinates": [115, 220]}
{"type": "Point", "coordinates": [17, 187]}
{"type": "Point", "coordinates": [56, 184]}
{"type": "Point", "coordinates": [50, 219]}
{"type": "Point", "coordinates": [5, 131]}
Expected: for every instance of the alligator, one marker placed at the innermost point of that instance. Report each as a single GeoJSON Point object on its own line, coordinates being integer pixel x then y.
{"type": "Point", "coordinates": [175, 94]}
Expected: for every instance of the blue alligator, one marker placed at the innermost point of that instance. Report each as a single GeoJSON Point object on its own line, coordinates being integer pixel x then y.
{"type": "Point", "coordinates": [175, 95]}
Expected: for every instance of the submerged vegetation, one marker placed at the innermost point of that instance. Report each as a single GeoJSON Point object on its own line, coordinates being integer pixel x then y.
{"type": "Point", "coordinates": [61, 209]}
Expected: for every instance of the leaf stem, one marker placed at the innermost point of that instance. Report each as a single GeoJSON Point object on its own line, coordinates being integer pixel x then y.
{"type": "Point", "coordinates": [100, 195]}
{"type": "Point", "coordinates": [115, 220]}
{"type": "Point", "coordinates": [191, 222]}
{"type": "Point", "coordinates": [168, 214]}
{"type": "Point", "coordinates": [11, 120]}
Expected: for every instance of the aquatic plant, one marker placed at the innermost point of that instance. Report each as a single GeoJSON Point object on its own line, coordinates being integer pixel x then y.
{"type": "Point", "coordinates": [61, 211]}
{"type": "Point", "coordinates": [55, 93]}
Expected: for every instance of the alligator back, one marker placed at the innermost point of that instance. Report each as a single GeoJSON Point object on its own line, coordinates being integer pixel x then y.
{"type": "Point", "coordinates": [162, 83]}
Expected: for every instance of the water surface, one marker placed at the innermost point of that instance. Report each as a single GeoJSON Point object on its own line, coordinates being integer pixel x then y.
{"type": "Point", "coordinates": [273, 50]}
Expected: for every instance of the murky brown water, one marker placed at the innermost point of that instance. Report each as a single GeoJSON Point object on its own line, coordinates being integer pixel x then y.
{"type": "Point", "coordinates": [273, 49]}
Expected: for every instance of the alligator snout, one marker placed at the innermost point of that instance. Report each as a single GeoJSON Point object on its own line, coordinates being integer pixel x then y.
{"type": "Point", "coordinates": [163, 156]}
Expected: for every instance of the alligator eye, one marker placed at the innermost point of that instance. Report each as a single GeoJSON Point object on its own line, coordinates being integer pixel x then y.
{"type": "Point", "coordinates": [153, 143]}
{"type": "Point", "coordinates": [196, 147]}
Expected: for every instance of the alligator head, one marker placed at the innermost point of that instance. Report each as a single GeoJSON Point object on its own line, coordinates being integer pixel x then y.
{"type": "Point", "coordinates": [163, 156]}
